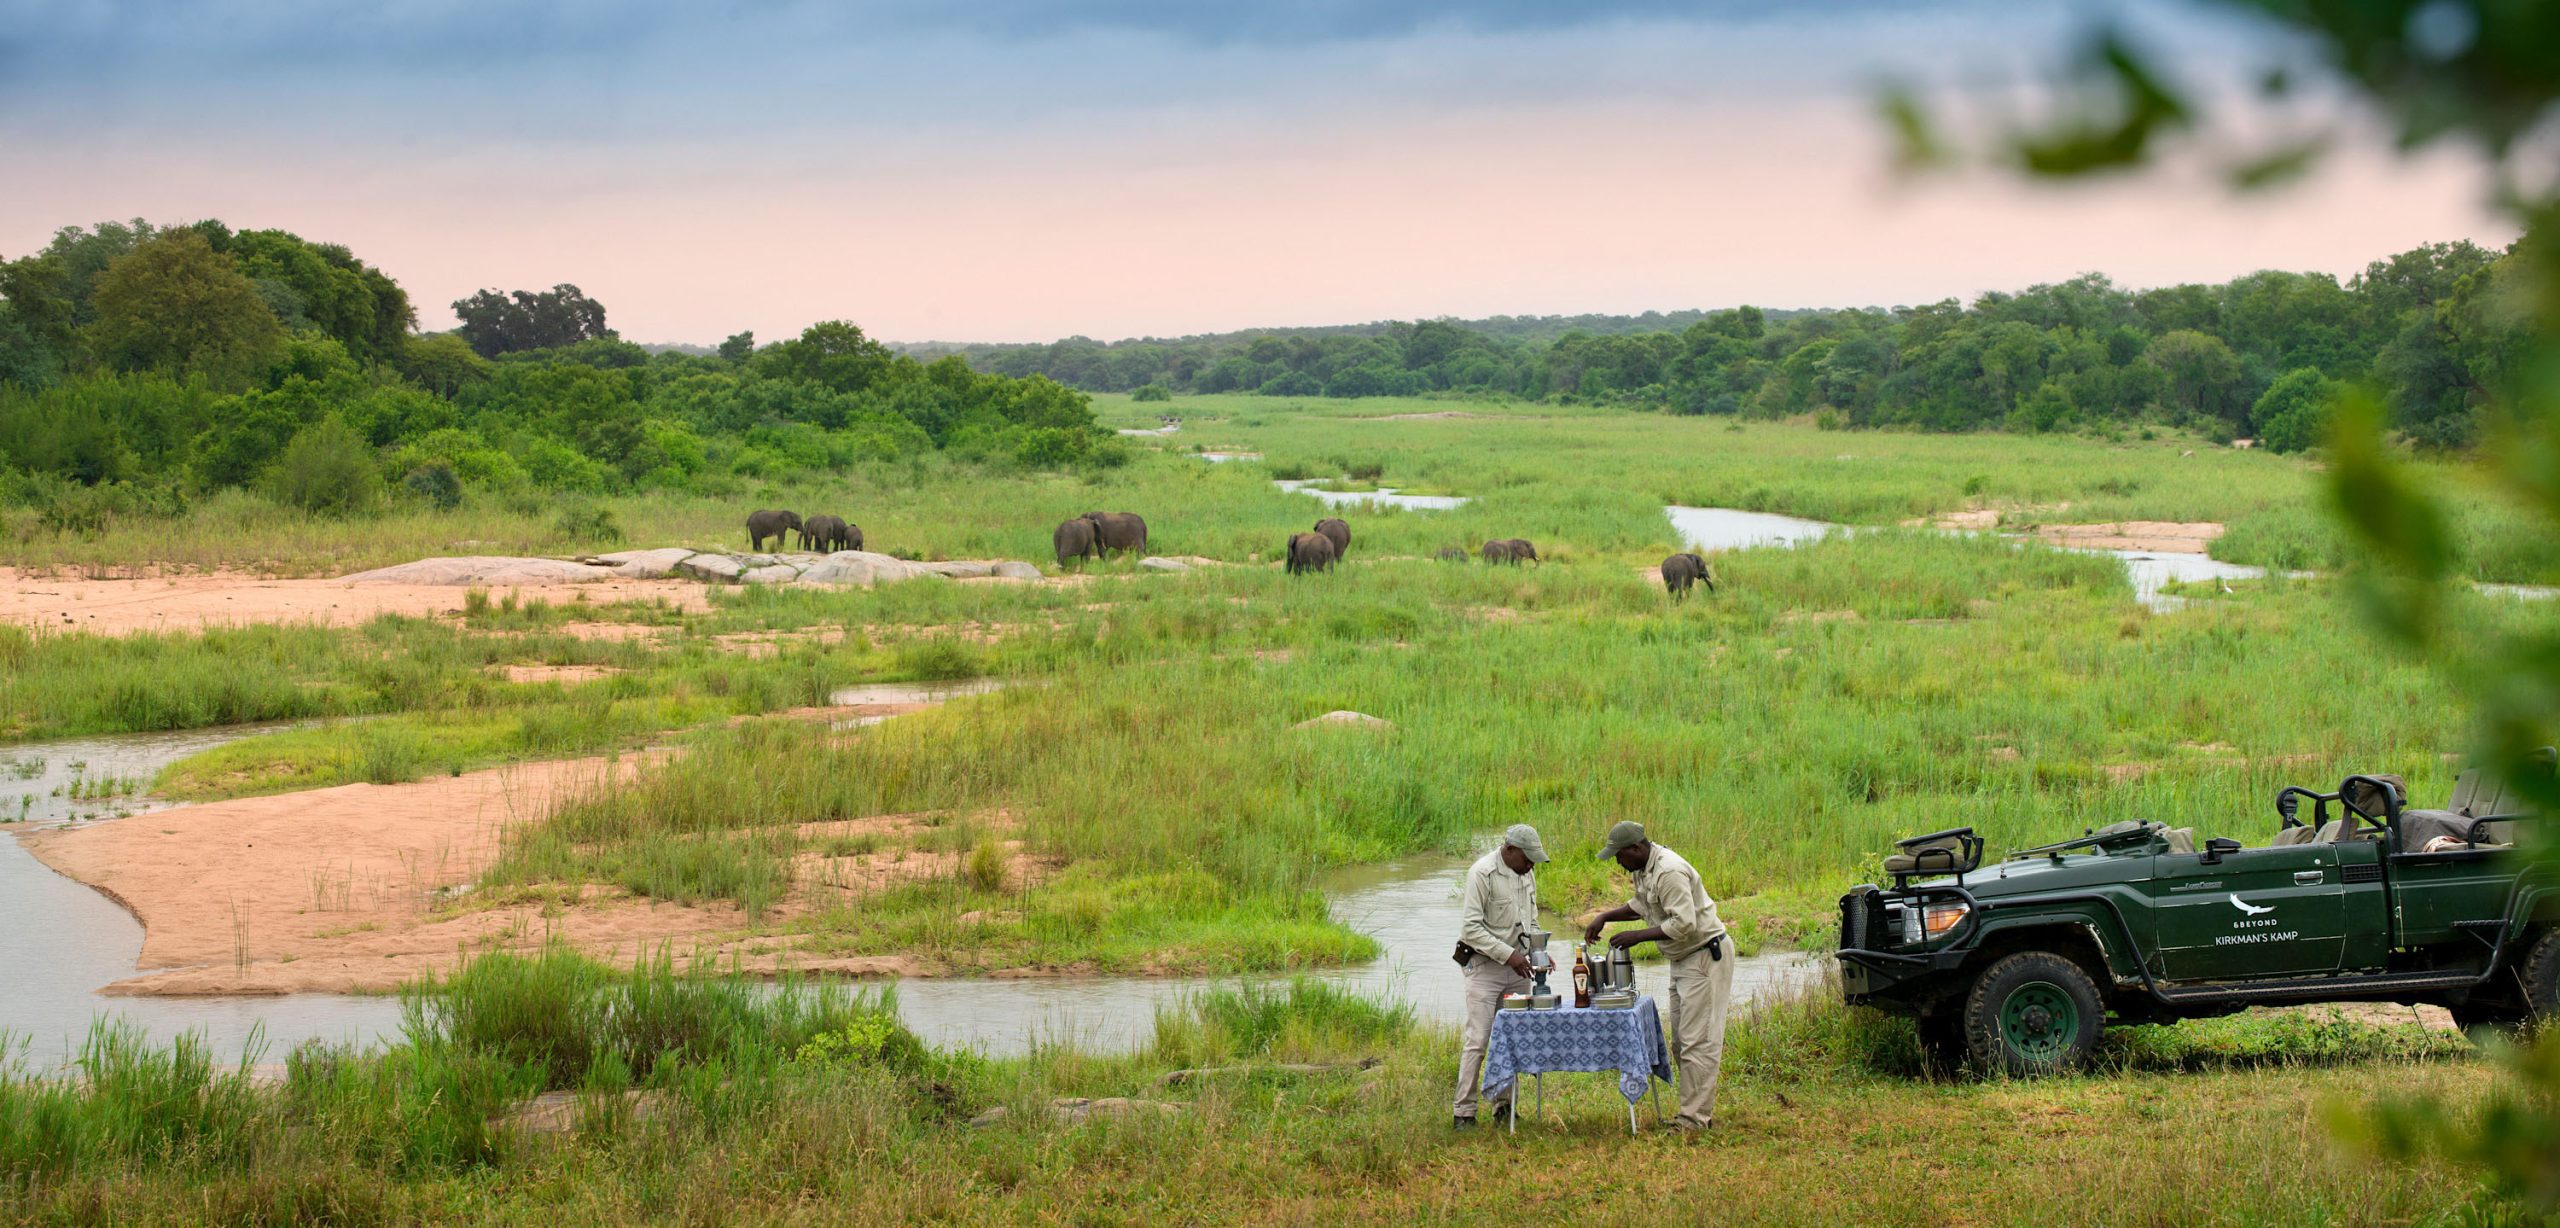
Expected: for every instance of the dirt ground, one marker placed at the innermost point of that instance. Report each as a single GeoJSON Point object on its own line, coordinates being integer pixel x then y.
{"type": "Point", "coordinates": [2146, 536]}
{"type": "Point", "coordinates": [195, 602]}
{"type": "Point", "coordinates": [353, 889]}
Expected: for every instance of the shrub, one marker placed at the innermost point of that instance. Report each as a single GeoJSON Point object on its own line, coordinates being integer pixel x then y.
{"type": "Point", "coordinates": [1049, 447]}
{"type": "Point", "coordinates": [327, 470]}
{"type": "Point", "coordinates": [1152, 392]}
{"type": "Point", "coordinates": [2293, 416]}
{"type": "Point", "coordinates": [436, 484]}
{"type": "Point", "coordinates": [588, 522]}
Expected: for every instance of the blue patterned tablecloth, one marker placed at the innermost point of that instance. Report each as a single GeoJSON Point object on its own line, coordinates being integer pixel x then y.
{"type": "Point", "coordinates": [1534, 1042]}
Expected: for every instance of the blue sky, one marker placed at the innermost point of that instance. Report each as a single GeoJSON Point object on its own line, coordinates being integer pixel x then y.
{"type": "Point", "coordinates": [1021, 170]}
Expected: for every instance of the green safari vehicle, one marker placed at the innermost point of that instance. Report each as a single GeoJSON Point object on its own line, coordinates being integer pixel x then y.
{"type": "Point", "coordinates": [2016, 966]}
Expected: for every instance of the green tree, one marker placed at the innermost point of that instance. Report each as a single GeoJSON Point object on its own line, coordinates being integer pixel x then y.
{"type": "Point", "coordinates": [738, 347]}
{"type": "Point", "coordinates": [175, 305]}
{"type": "Point", "coordinates": [2293, 416]}
{"type": "Point", "coordinates": [327, 470]}
{"type": "Point", "coordinates": [2204, 375]}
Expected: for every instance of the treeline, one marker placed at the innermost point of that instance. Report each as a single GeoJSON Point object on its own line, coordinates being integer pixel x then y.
{"type": "Point", "coordinates": [142, 366]}
{"type": "Point", "coordinates": [2429, 327]}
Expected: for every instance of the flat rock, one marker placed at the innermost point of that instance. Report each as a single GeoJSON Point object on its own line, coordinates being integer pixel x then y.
{"type": "Point", "coordinates": [1163, 565]}
{"type": "Point", "coordinates": [864, 568]}
{"type": "Point", "coordinates": [756, 560]}
{"type": "Point", "coordinates": [485, 569]}
{"type": "Point", "coordinates": [1345, 716]}
{"type": "Point", "coordinates": [962, 569]}
{"type": "Point", "coordinates": [711, 569]}
{"type": "Point", "coordinates": [777, 573]}
{"type": "Point", "coordinates": [645, 564]}
{"type": "Point", "coordinates": [1014, 570]}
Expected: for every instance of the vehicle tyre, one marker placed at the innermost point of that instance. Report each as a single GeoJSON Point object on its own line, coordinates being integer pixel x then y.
{"type": "Point", "coordinates": [2032, 1013]}
{"type": "Point", "coordinates": [2484, 1024]}
{"type": "Point", "coordinates": [1942, 1046]}
{"type": "Point", "coordinates": [2540, 973]}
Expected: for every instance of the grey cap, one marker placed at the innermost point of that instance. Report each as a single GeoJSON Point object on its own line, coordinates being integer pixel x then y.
{"type": "Point", "coordinates": [1622, 836]}
{"type": "Point", "coordinates": [1523, 837]}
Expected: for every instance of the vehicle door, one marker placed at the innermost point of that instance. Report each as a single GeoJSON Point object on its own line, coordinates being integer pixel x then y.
{"type": "Point", "coordinates": [2249, 915]}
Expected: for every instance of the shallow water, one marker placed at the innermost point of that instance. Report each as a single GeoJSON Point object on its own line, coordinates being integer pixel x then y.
{"type": "Point", "coordinates": [61, 941]}
{"type": "Point", "coordinates": [1219, 458]}
{"type": "Point", "coordinates": [1724, 528]}
{"type": "Point", "coordinates": [1382, 497]}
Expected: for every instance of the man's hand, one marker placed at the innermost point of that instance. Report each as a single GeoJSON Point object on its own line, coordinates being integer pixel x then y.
{"type": "Point", "coordinates": [1591, 932]}
{"type": "Point", "coordinates": [1628, 938]}
{"type": "Point", "coordinates": [1519, 963]}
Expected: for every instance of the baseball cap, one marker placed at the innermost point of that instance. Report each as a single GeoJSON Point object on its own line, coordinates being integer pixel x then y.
{"type": "Point", "coordinates": [1523, 837]}
{"type": "Point", "coordinates": [1621, 836]}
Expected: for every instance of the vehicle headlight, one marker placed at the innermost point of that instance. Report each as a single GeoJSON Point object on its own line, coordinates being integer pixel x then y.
{"type": "Point", "coordinates": [1937, 919]}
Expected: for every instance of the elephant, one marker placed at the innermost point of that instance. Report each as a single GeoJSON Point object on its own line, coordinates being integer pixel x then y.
{"type": "Point", "coordinates": [763, 523]}
{"type": "Point", "coordinates": [1309, 552]}
{"type": "Point", "coordinates": [1511, 550]}
{"type": "Point", "coordinates": [1452, 554]}
{"type": "Point", "coordinates": [829, 534]}
{"type": "Point", "coordinates": [1338, 531]}
{"type": "Point", "coordinates": [1682, 570]}
{"type": "Point", "coordinates": [1124, 531]}
{"type": "Point", "coordinates": [1075, 539]}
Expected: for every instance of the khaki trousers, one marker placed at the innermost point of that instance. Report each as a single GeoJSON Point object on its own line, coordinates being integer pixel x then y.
{"type": "Point", "coordinates": [1700, 988]}
{"type": "Point", "coordinates": [1486, 982]}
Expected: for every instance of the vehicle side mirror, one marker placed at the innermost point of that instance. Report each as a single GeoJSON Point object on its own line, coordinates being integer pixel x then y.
{"type": "Point", "coordinates": [2215, 848]}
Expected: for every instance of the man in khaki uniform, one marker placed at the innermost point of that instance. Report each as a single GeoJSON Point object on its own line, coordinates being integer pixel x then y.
{"type": "Point", "coordinates": [1690, 935]}
{"type": "Point", "coordinates": [1498, 900]}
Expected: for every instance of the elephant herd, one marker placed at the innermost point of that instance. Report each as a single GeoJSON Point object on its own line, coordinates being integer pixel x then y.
{"type": "Point", "coordinates": [1096, 534]}
{"type": "Point", "coordinates": [821, 532]}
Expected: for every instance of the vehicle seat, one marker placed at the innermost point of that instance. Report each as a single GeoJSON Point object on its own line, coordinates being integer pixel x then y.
{"type": "Point", "coordinates": [2475, 796]}
{"type": "Point", "coordinates": [2295, 835]}
{"type": "Point", "coordinates": [2181, 839]}
{"type": "Point", "coordinates": [1938, 857]}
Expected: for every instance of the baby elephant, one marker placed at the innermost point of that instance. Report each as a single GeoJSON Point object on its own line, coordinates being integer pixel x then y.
{"type": "Point", "coordinates": [1511, 550]}
{"type": "Point", "coordinates": [1451, 554]}
{"type": "Point", "coordinates": [1682, 570]}
{"type": "Point", "coordinates": [1310, 552]}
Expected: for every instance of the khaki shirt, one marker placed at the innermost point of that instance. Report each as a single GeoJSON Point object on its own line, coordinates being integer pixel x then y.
{"type": "Point", "coordinates": [1669, 895]}
{"type": "Point", "coordinates": [1495, 905]}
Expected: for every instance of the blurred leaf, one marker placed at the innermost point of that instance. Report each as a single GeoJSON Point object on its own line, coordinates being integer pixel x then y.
{"type": "Point", "coordinates": [1916, 145]}
{"type": "Point", "coordinates": [2281, 167]}
{"type": "Point", "coordinates": [2123, 104]}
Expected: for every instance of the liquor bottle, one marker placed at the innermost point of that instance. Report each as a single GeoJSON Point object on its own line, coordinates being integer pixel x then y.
{"type": "Point", "coordinates": [1581, 979]}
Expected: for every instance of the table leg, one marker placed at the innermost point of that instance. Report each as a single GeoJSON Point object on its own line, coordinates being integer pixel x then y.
{"type": "Point", "coordinates": [1542, 1097]}
{"type": "Point", "coordinates": [1514, 1114]}
{"type": "Point", "coordinates": [1657, 1100]}
{"type": "Point", "coordinates": [1631, 1117]}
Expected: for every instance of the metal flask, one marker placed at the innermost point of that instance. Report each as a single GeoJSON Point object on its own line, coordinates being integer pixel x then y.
{"type": "Point", "coordinates": [1622, 970]}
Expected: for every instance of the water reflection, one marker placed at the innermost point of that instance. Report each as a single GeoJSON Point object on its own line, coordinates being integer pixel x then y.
{"type": "Point", "coordinates": [1381, 497]}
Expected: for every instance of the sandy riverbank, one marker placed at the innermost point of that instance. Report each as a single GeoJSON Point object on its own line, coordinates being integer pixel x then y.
{"type": "Point", "coordinates": [357, 888]}
{"type": "Point", "coordinates": [195, 602]}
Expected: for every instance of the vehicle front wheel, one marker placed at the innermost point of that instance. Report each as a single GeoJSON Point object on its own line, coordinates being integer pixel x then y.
{"type": "Point", "coordinates": [2033, 1013]}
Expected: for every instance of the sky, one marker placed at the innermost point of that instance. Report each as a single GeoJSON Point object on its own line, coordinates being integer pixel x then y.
{"type": "Point", "coordinates": [1013, 170]}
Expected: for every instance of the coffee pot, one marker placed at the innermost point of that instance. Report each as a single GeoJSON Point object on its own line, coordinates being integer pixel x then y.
{"type": "Point", "coordinates": [1533, 943]}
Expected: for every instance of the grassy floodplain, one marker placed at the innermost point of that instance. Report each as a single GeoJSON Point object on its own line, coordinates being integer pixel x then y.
{"type": "Point", "coordinates": [1827, 700]}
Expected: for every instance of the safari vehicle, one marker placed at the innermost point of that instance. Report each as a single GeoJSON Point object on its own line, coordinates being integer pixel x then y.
{"type": "Point", "coordinates": [2017, 965]}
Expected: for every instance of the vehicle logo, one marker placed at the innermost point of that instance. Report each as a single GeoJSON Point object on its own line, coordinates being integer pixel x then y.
{"type": "Point", "coordinates": [2251, 909]}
